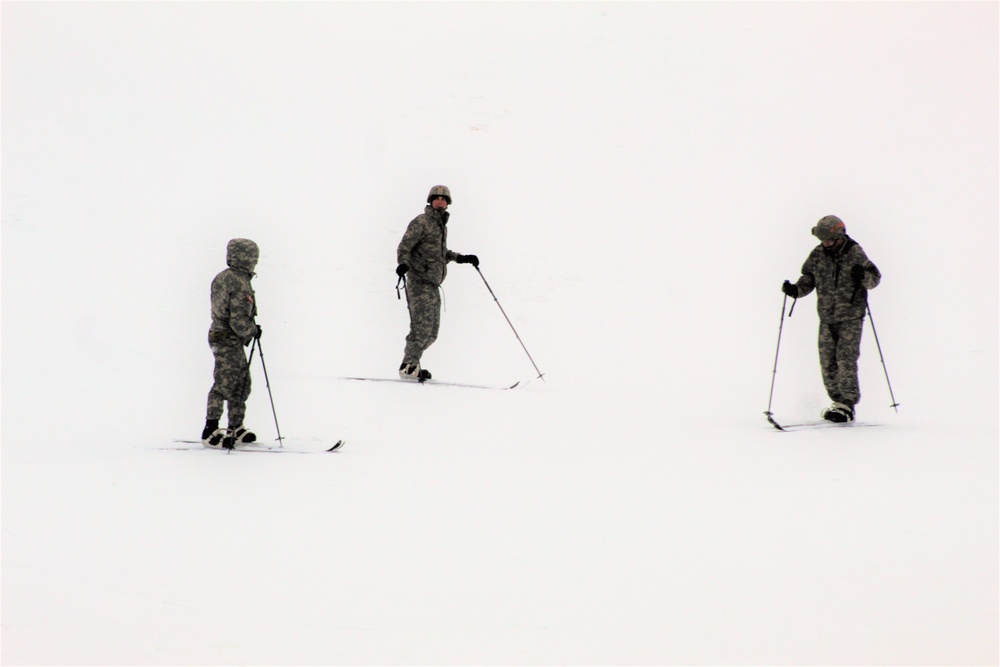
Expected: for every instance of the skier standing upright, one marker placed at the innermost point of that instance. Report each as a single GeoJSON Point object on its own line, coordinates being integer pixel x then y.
{"type": "Point", "coordinates": [422, 257]}
{"type": "Point", "coordinates": [233, 311]}
{"type": "Point", "coordinates": [841, 274]}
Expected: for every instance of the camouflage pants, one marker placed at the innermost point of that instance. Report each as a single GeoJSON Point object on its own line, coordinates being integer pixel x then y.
{"type": "Point", "coordinates": [424, 301]}
{"type": "Point", "coordinates": [839, 349]}
{"type": "Point", "coordinates": [232, 381]}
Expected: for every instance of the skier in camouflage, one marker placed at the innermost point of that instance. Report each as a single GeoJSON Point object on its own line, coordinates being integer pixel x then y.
{"type": "Point", "coordinates": [841, 274]}
{"type": "Point", "coordinates": [422, 257]}
{"type": "Point", "coordinates": [233, 327]}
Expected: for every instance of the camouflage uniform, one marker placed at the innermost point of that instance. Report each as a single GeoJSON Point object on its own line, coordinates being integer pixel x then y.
{"type": "Point", "coordinates": [233, 327]}
{"type": "Point", "coordinates": [841, 304]}
{"type": "Point", "coordinates": [424, 249]}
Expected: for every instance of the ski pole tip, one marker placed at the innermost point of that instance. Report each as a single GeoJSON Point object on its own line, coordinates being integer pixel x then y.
{"type": "Point", "coordinates": [770, 419]}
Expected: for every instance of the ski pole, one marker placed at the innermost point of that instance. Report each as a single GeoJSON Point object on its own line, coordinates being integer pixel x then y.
{"type": "Point", "coordinates": [895, 405]}
{"type": "Point", "coordinates": [774, 373]}
{"type": "Point", "coordinates": [270, 397]}
{"type": "Point", "coordinates": [246, 377]}
{"type": "Point", "coordinates": [540, 373]}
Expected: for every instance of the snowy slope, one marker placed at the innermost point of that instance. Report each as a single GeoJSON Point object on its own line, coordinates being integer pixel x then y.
{"type": "Point", "coordinates": [637, 180]}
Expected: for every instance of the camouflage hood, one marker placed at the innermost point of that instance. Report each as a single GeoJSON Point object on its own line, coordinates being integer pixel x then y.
{"type": "Point", "coordinates": [242, 255]}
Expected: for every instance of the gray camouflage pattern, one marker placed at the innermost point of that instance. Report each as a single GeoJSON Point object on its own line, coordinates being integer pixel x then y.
{"type": "Point", "coordinates": [838, 299]}
{"type": "Point", "coordinates": [234, 308]}
{"type": "Point", "coordinates": [232, 382]}
{"type": "Point", "coordinates": [839, 349]}
{"type": "Point", "coordinates": [233, 304]}
{"type": "Point", "coordinates": [439, 190]}
{"type": "Point", "coordinates": [424, 247]}
{"type": "Point", "coordinates": [424, 302]}
{"type": "Point", "coordinates": [841, 304]}
{"type": "Point", "coordinates": [828, 227]}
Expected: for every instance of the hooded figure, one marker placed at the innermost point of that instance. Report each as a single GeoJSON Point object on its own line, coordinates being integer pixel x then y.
{"type": "Point", "coordinates": [233, 311]}
{"type": "Point", "coordinates": [841, 274]}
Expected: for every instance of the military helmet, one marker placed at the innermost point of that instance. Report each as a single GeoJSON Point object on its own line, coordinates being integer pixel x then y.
{"type": "Point", "coordinates": [439, 191]}
{"type": "Point", "coordinates": [242, 254]}
{"type": "Point", "coordinates": [829, 227]}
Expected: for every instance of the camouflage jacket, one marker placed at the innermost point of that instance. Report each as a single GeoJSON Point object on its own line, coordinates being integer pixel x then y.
{"type": "Point", "coordinates": [424, 247]}
{"type": "Point", "coordinates": [838, 297]}
{"type": "Point", "coordinates": [233, 303]}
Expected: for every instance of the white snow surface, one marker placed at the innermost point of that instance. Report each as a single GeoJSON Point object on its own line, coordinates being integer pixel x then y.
{"type": "Point", "coordinates": [637, 180]}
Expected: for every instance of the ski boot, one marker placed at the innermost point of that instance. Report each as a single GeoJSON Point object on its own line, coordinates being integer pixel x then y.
{"type": "Point", "coordinates": [840, 413]}
{"type": "Point", "coordinates": [239, 436]}
{"type": "Point", "coordinates": [216, 439]}
{"type": "Point", "coordinates": [413, 372]}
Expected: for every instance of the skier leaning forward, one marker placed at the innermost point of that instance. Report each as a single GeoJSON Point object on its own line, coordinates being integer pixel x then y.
{"type": "Point", "coordinates": [423, 257]}
{"type": "Point", "coordinates": [233, 327]}
{"type": "Point", "coordinates": [841, 274]}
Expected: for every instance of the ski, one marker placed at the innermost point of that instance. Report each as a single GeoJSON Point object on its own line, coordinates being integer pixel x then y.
{"type": "Point", "coordinates": [256, 447]}
{"type": "Point", "coordinates": [433, 382]}
{"type": "Point", "coordinates": [268, 449]}
{"type": "Point", "coordinates": [817, 424]}
{"type": "Point", "coordinates": [770, 418]}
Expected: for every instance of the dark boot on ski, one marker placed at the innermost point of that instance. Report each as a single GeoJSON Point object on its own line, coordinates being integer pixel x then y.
{"type": "Point", "coordinates": [211, 426]}
{"type": "Point", "coordinates": [217, 439]}
{"type": "Point", "coordinates": [413, 371]}
{"type": "Point", "coordinates": [840, 413]}
{"type": "Point", "coordinates": [239, 436]}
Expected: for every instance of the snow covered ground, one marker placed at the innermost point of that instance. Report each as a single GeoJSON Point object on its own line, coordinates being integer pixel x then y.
{"type": "Point", "coordinates": [637, 180]}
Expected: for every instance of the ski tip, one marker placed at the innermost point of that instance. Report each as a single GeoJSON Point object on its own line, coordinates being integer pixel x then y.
{"type": "Point", "coordinates": [337, 445]}
{"type": "Point", "coordinates": [770, 419]}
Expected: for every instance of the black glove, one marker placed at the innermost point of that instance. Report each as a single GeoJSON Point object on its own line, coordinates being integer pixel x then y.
{"type": "Point", "coordinates": [790, 289]}
{"type": "Point", "coordinates": [259, 332]}
{"type": "Point", "coordinates": [857, 274]}
{"type": "Point", "coordinates": [468, 259]}
{"type": "Point", "coordinates": [401, 270]}
{"type": "Point", "coordinates": [253, 336]}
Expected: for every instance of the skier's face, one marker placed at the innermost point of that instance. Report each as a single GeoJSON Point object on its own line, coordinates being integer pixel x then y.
{"type": "Point", "coordinates": [439, 203]}
{"type": "Point", "coordinates": [830, 244]}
